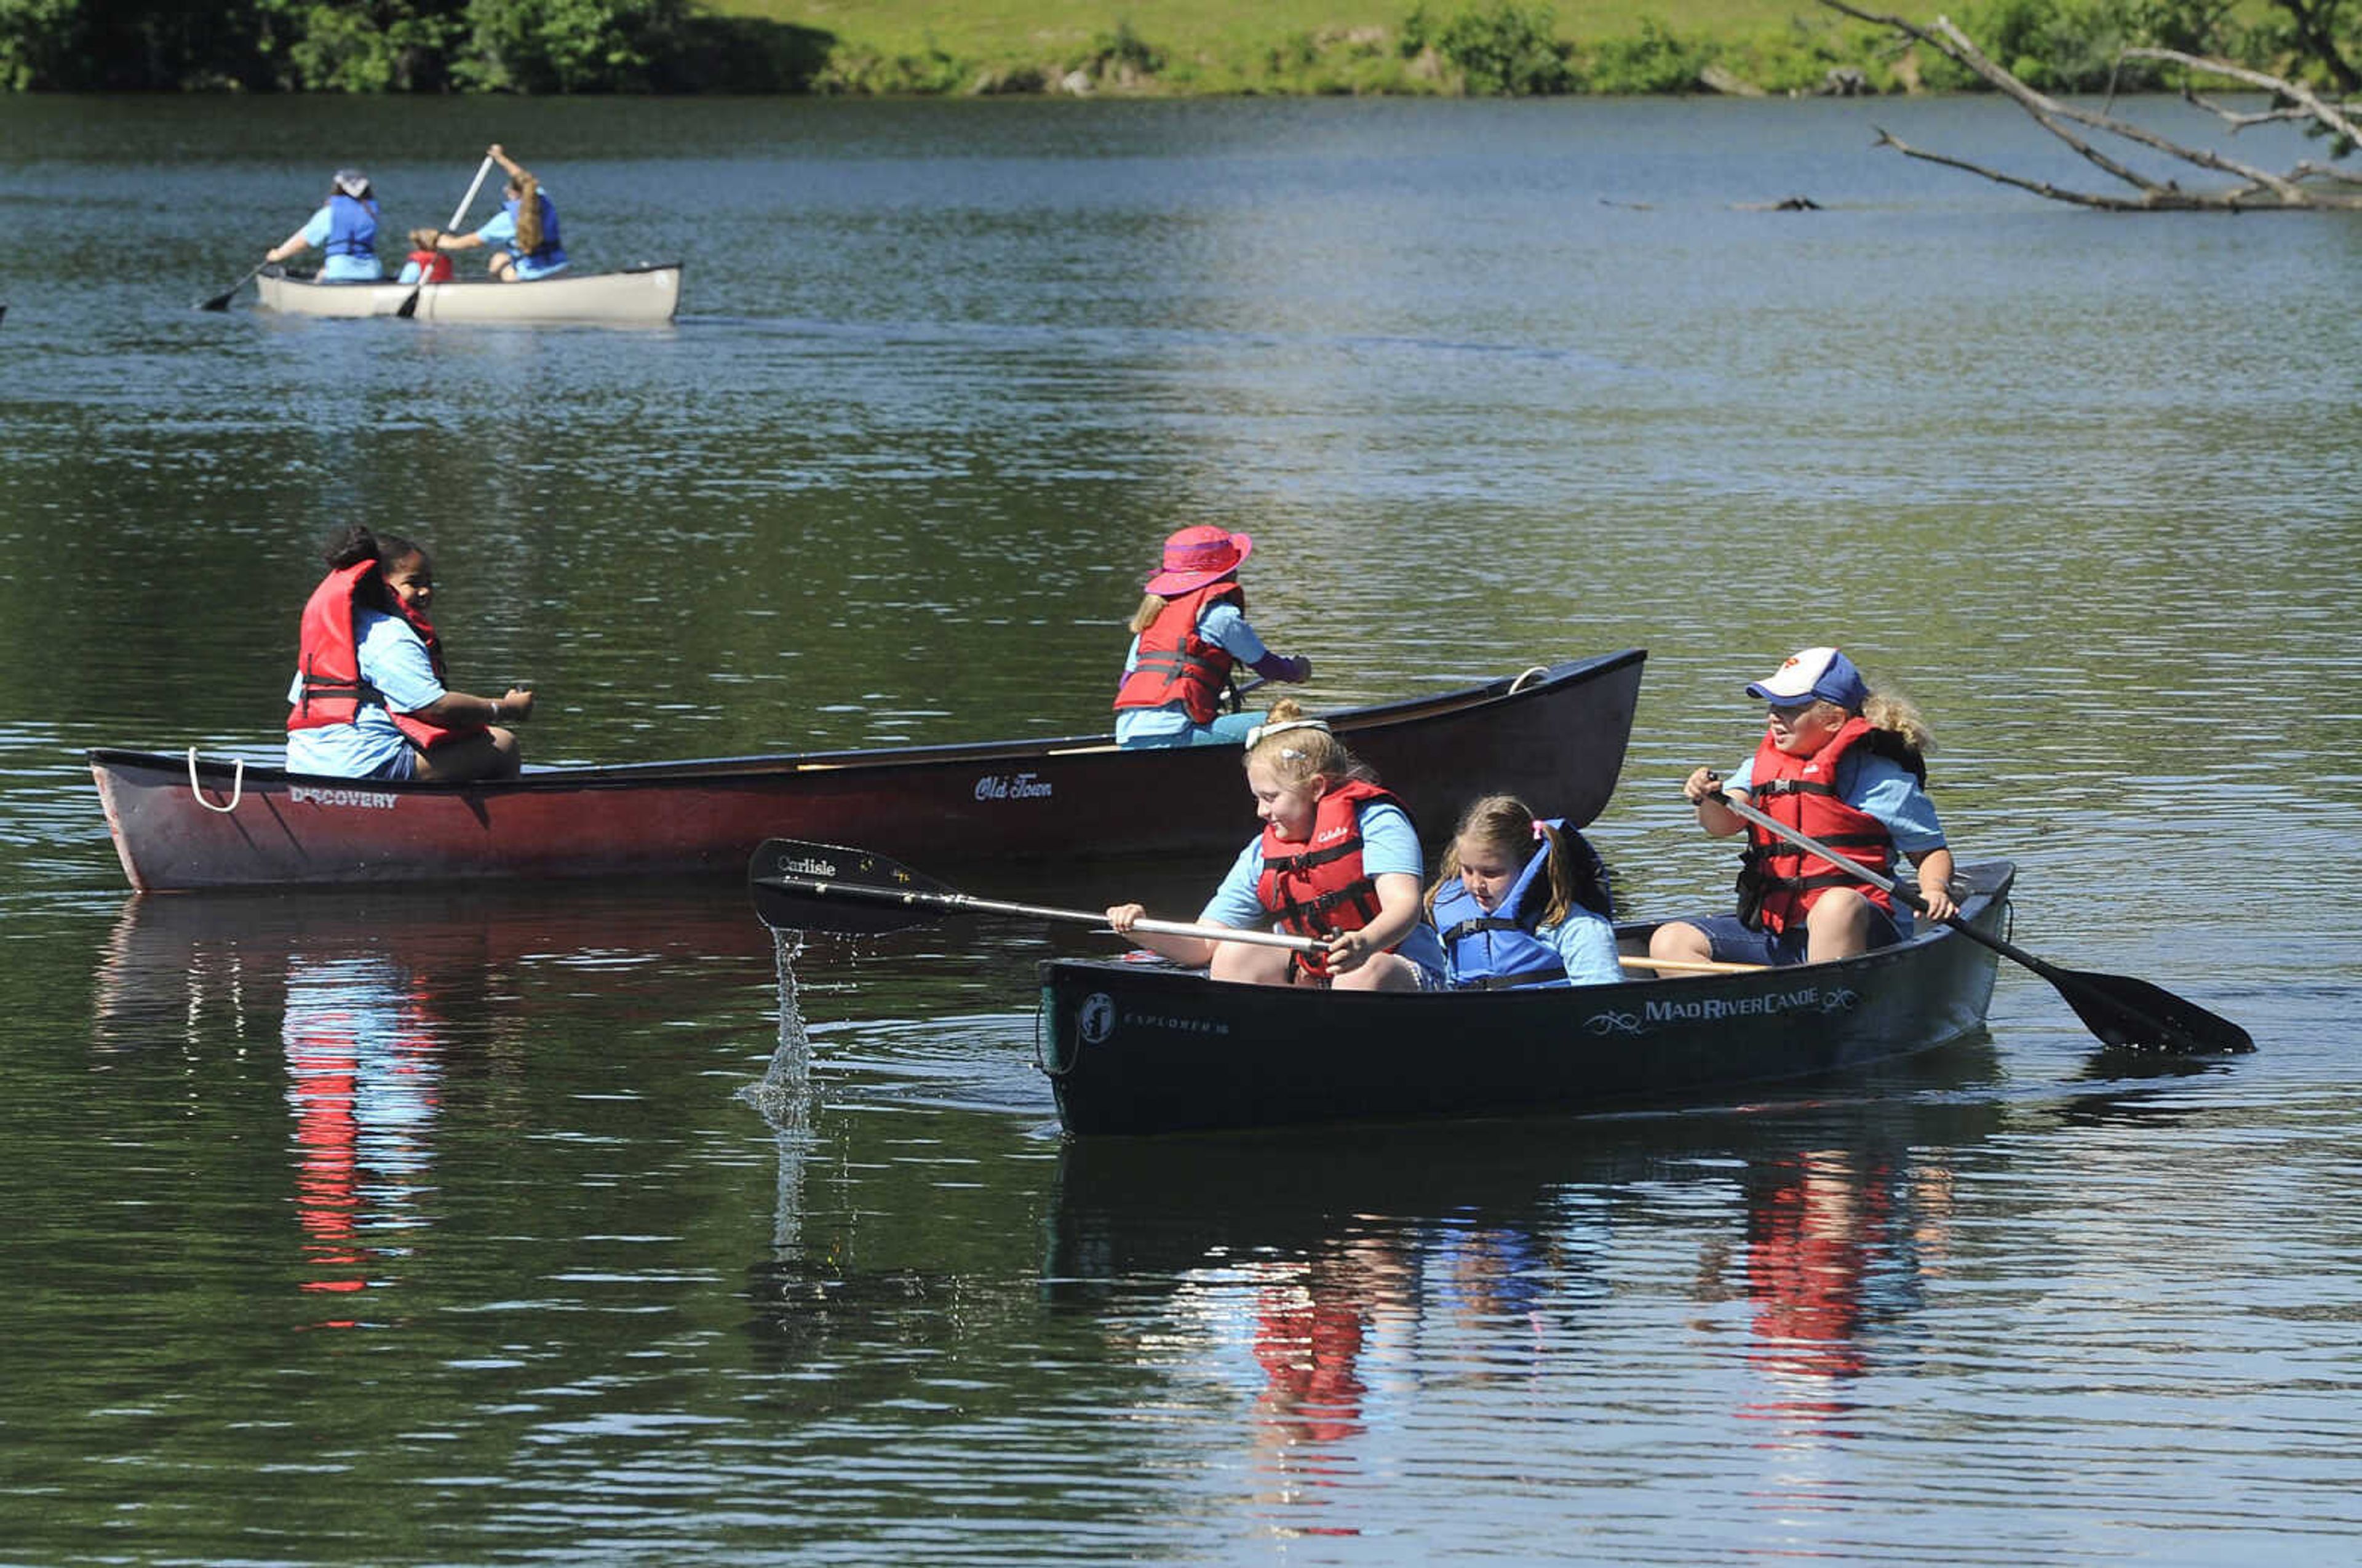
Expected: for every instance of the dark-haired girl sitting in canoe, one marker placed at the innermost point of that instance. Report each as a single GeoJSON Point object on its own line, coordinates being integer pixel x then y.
{"type": "Point", "coordinates": [368, 698]}
{"type": "Point", "coordinates": [1338, 860]}
{"type": "Point", "coordinates": [1522, 901]}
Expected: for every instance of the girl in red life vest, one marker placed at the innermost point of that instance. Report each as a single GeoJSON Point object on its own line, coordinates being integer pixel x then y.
{"type": "Point", "coordinates": [370, 700]}
{"type": "Point", "coordinates": [1188, 633]}
{"type": "Point", "coordinates": [1841, 765]}
{"type": "Point", "coordinates": [1338, 860]}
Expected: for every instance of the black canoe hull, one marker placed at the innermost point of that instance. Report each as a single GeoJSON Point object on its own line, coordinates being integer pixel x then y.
{"type": "Point", "coordinates": [1558, 738]}
{"type": "Point", "coordinates": [1140, 1048]}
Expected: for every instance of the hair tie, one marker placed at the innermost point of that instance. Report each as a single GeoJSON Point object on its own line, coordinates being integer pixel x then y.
{"type": "Point", "coordinates": [1542, 830]}
{"type": "Point", "coordinates": [1262, 732]}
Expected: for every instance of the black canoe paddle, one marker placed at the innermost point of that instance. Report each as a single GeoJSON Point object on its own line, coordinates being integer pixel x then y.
{"type": "Point", "coordinates": [829, 886]}
{"type": "Point", "coordinates": [221, 301]}
{"type": "Point", "coordinates": [2122, 1011]}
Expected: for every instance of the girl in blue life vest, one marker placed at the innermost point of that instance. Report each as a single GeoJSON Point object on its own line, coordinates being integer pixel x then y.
{"type": "Point", "coordinates": [523, 235]}
{"type": "Point", "coordinates": [1338, 860]}
{"type": "Point", "coordinates": [1188, 633]}
{"type": "Point", "coordinates": [1522, 901]}
{"type": "Point", "coordinates": [1840, 764]}
{"type": "Point", "coordinates": [369, 699]}
{"type": "Point", "coordinates": [345, 230]}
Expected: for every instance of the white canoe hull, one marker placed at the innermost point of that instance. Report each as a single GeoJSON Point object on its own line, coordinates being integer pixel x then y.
{"type": "Point", "coordinates": [638, 294]}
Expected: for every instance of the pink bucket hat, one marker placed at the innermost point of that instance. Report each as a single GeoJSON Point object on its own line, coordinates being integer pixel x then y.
{"type": "Point", "coordinates": [1196, 556]}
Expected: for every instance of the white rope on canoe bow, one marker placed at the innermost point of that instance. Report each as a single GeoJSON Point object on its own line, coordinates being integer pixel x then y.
{"type": "Point", "coordinates": [237, 786]}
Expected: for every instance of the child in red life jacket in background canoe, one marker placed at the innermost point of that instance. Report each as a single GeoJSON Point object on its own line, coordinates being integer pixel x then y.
{"type": "Point", "coordinates": [1522, 901]}
{"type": "Point", "coordinates": [1188, 635]}
{"type": "Point", "coordinates": [370, 699]}
{"type": "Point", "coordinates": [1842, 765]}
{"type": "Point", "coordinates": [1337, 859]}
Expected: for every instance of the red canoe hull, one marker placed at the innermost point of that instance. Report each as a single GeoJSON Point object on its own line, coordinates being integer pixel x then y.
{"type": "Point", "coordinates": [1558, 740]}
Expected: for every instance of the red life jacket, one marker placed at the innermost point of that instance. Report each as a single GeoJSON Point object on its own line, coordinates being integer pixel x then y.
{"type": "Point", "coordinates": [1801, 793]}
{"type": "Point", "coordinates": [334, 691]}
{"type": "Point", "coordinates": [1319, 888]}
{"type": "Point", "coordinates": [1175, 664]}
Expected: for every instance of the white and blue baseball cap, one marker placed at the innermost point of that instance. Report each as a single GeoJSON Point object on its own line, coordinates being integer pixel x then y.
{"type": "Point", "coordinates": [1821, 673]}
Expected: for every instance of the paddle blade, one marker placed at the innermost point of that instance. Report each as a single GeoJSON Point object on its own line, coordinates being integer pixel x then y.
{"type": "Point", "coordinates": [221, 301]}
{"type": "Point", "coordinates": [408, 309]}
{"type": "Point", "coordinates": [801, 886]}
{"type": "Point", "coordinates": [2137, 1015]}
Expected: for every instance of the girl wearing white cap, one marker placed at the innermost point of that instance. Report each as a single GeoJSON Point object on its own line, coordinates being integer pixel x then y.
{"type": "Point", "coordinates": [1845, 765]}
{"type": "Point", "coordinates": [345, 230]}
{"type": "Point", "coordinates": [1188, 633]}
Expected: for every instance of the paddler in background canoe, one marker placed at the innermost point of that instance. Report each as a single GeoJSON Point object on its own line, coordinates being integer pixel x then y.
{"type": "Point", "coordinates": [344, 229]}
{"type": "Point", "coordinates": [370, 699]}
{"type": "Point", "coordinates": [1338, 860]}
{"type": "Point", "coordinates": [1522, 901]}
{"type": "Point", "coordinates": [1841, 763]}
{"type": "Point", "coordinates": [523, 234]}
{"type": "Point", "coordinates": [1190, 632]}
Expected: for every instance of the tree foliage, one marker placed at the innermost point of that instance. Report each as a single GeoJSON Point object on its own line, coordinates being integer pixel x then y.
{"type": "Point", "coordinates": [380, 45]}
{"type": "Point", "coordinates": [1509, 50]}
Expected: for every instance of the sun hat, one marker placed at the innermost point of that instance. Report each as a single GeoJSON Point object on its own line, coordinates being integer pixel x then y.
{"type": "Point", "coordinates": [1196, 556]}
{"type": "Point", "coordinates": [351, 182]}
{"type": "Point", "coordinates": [1824, 673]}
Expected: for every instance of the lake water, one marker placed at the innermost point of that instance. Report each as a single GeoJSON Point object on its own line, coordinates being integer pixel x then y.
{"type": "Point", "coordinates": [426, 1228]}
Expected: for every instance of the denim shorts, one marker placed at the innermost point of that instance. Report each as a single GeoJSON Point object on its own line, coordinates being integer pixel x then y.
{"type": "Point", "coordinates": [1734, 943]}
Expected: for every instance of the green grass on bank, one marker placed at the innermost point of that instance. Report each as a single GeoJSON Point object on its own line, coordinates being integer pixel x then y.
{"type": "Point", "coordinates": [1326, 46]}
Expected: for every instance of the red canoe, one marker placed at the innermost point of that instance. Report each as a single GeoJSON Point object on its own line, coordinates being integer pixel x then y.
{"type": "Point", "coordinates": [1555, 736]}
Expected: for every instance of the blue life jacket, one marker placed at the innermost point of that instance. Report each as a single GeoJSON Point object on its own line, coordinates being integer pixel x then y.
{"type": "Point", "coordinates": [550, 252]}
{"type": "Point", "coordinates": [352, 228]}
{"type": "Point", "coordinates": [1490, 949]}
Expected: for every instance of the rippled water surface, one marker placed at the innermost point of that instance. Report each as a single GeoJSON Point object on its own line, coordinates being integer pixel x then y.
{"type": "Point", "coordinates": [442, 1228]}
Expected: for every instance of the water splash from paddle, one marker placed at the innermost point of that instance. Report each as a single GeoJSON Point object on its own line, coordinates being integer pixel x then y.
{"type": "Point", "coordinates": [784, 1097]}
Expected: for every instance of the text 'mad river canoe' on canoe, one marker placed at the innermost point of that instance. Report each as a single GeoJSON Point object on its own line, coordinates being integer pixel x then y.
{"type": "Point", "coordinates": [1555, 735]}
{"type": "Point", "coordinates": [1135, 1047]}
{"type": "Point", "coordinates": [640, 296]}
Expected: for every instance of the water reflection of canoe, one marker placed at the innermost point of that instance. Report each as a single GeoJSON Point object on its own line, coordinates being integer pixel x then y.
{"type": "Point", "coordinates": [1131, 1210]}
{"type": "Point", "coordinates": [170, 964]}
{"type": "Point", "coordinates": [642, 296]}
{"type": "Point", "coordinates": [1558, 738]}
{"type": "Point", "coordinates": [1135, 1047]}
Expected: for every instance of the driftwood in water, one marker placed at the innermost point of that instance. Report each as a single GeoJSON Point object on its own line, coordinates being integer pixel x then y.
{"type": "Point", "coordinates": [2309, 186]}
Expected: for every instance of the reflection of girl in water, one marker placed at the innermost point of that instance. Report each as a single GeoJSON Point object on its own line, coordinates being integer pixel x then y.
{"type": "Point", "coordinates": [362, 1079]}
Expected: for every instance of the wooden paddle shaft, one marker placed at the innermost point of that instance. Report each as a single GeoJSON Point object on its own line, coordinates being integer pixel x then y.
{"type": "Point", "coordinates": [469, 199]}
{"type": "Point", "coordinates": [1693, 965]}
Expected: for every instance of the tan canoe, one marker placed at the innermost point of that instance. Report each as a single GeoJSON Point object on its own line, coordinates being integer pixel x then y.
{"type": "Point", "coordinates": [637, 296]}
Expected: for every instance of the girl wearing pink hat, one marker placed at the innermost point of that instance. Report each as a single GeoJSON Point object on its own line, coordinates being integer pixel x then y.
{"type": "Point", "coordinates": [1838, 763]}
{"type": "Point", "coordinates": [1188, 633]}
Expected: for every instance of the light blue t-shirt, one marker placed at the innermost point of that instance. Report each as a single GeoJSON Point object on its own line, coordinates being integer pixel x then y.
{"type": "Point", "coordinates": [1220, 623]}
{"type": "Point", "coordinates": [393, 661]}
{"type": "Point", "coordinates": [1389, 844]}
{"type": "Point", "coordinates": [340, 269]}
{"type": "Point", "coordinates": [500, 234]}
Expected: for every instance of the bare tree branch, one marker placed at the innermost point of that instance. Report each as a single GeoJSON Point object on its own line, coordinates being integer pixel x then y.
{"type": "Point", "coordinates": [2295, 93]}
{"type": "Point", "coordinates": [2257, 190]}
